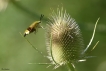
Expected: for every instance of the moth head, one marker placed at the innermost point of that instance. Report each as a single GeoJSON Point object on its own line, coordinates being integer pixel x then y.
{"type": "Point", "coordinates": [26, 33]}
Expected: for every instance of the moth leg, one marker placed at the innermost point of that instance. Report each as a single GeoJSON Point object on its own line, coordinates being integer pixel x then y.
{"type": "Point", "coordinates": [35, 31]}
{"type": "Point", "coordinates": [39, 26]}
{"type": "Point", "coordinates": [42, 27]}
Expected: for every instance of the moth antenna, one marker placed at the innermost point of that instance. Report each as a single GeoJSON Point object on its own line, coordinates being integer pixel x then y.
{"type": "Point", "coordinates": [91, 37]}
{"type": "Point", "coordinates": [41, 17]}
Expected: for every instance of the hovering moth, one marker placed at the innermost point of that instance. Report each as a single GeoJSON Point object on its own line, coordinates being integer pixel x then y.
{"type": "Point", "coordinates": [33, 27]}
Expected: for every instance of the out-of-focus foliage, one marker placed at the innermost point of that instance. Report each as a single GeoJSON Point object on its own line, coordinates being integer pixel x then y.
{"type": "Point", "coordinates": [16, 53]}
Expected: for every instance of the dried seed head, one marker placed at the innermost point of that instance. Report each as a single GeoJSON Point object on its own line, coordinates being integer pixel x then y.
{"type": "Point", "coordinates": [64, 39]}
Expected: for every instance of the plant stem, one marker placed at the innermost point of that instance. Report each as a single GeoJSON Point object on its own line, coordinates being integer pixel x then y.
{"type": "Point", "coordinates": [71, 67]}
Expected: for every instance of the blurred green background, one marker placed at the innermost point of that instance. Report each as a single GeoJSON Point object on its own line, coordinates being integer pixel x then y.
{"type": "Point", "coordinates": [16, 53]}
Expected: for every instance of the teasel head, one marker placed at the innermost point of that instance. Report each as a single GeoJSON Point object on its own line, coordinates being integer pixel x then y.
{"type": "Point", "coordinates": [64, 39]}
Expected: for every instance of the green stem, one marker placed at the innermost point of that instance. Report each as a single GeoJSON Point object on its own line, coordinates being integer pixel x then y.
{"type": "Point", "coordinates": [71, 67]}
{"type": "Point", "coordinates": [18, 5]}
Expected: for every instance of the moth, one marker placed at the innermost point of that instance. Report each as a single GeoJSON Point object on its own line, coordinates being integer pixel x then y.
{"type": "Point", "coordinates": [33, 27]}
